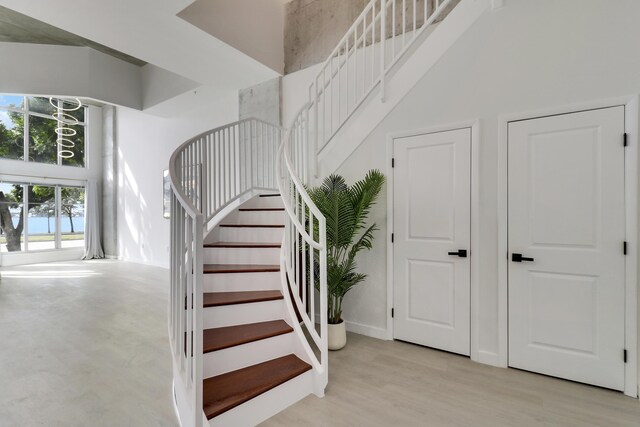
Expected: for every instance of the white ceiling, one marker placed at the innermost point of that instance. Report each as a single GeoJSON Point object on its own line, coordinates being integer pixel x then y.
{"type": "Point", "coordinates": [151, 31]}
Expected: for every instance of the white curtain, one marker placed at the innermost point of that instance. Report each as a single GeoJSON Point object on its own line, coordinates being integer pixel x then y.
{"type": "Point", "coordinates": [92, 245]}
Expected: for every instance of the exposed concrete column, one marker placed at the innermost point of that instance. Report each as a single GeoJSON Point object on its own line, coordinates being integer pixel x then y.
{"type": "Point", "coordinates": [313, 28]}
{"type": "Point", "coordinates": [109, 182]}
{"type": "Point", "coordinates": [262, 101]}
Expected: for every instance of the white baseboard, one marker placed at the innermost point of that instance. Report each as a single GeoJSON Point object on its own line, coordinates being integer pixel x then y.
{"type": "Point", "coordinates": [489, 358]}
{"type": "Point", "coordinates": [38, 257]}
{"type": "Point", "coordinates": [135, 261]}
{"type": "Point", "coordinates": [367, 330]}
{"type": "Point", "coordinates": [362, 329]}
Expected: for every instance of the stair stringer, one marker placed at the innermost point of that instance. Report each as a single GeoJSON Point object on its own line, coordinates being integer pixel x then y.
{"type": "Point", "coordinates": [428, 50]}
{"type": "Point", "coordinates": [302, 348]}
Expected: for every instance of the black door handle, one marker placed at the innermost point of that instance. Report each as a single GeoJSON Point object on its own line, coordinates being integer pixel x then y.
{"type": "Point", "coordinates": [462, 253]}
{"type": "Point", "coordinates": [519, 258]}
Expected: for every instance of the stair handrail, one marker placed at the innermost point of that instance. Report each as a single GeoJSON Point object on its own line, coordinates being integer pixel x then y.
{"type": "Point", "coordinates": [313, 127]}
{"type": "Point", "coordinates": [196, 202]}
{"type": "Point", "coordinates": [208, 174]}
{"type": "Point", "coordinates": [304, 249]}
{"type": "Point", "coordinates": [356, 66]}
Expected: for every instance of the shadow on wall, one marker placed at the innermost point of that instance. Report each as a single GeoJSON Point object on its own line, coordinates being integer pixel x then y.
{"type": "Point", "coordinates": [135, 226]}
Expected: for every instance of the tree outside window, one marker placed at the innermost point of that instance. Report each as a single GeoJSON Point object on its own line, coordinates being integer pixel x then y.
{"type": "Point", "coordinates": [34, 217]}
{"type": "Point", "coordinates": [37, 118]}
{"type": "Point", "coordinates": [42, 216]}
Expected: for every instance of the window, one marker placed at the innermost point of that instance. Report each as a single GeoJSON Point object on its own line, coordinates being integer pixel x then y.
{"type": "Point", "coordinates": [54, 218]}
{"type": "Point", "coordinates": [72, 217]}
{"type": "Point", "coordinates": [41, 218]}
{"type": "Point", "coordinates": [42, 130]}
{"type": "Point", "coordinates": [11, 217]}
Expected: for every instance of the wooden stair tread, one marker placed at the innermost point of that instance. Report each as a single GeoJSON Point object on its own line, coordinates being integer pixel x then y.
{"type": "Point", "coordinates": [239, 268]}
{"type": "Point", "coordinates": [217, 299]}
{"type": "Point", "coordinates": [252, 225]}
{"type": "Point", "coordinates": [242, 245]}
{"type": "Point", "coordinates": [230, 336]}
{"type": "Point", "coordinates": [261, 209]}
{"type": "Point", "coordinates": [224, 392]}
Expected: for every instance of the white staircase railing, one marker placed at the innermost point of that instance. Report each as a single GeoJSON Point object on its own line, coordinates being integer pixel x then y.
{"type": "Point", "coordinates": [362, 60]}
{"type": "Point", "coordinates": [208, 173]}
{"type": "Point", "coordinates": [305, 245]}
{"type": "Point", "coordinates": [364, 57]}
{"type": "Point", "coordinates": [217, 168]}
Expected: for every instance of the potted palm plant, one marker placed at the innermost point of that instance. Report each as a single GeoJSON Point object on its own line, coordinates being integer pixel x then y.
{"type": "Point", "coordinates": [346, 209]}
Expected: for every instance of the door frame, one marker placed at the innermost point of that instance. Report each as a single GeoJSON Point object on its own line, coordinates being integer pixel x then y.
{"type": "Point", "coordinates": [474, 250]}
{"type": "Point", "coordinates": [631, 121]}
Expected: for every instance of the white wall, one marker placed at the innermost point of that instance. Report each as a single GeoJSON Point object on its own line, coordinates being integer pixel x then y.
{"type": "Point", "coordinates": [68, 71]}
{"type": "Point", "coordinates": [295, 92]}
{"type": "Point", "coordinates": [255, 27]}
{"type": "Point", "coordinates": [525, 56]}
{"type": "Point", "coordinates": [145, 143]}
{"type": "Point", "coordinates": [151, 31]}
{"type": "Point", "coordinates": [159, 85]}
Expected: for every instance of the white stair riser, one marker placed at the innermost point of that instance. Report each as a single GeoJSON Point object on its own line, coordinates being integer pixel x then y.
{"type": "Point", "coordinates": [263, 202]}
{"type": "Point", "coordinates": [255, 217]}
{"type": "Point", "coordinates": [268, 404]}
{"type": "Point", "coordinates": [239, 314]}
{"type": "Point", "coordinates": [269, 256]}
{"type": "Point", "coordinates": [241, 356]}
{"type": "Point", "coordinates": [261, 235]}
{"type": "Point", "coordinates": [230, 282]}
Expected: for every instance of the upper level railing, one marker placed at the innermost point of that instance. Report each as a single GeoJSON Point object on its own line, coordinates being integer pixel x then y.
{"type": "Point", "coordinates": [363, 58]}
{"type": "Point", "coordinates": [305, 244]}
{"type": "Point", "coordinates": [211, 171]}
{"type": "Point", "coordinates": [208, 173]}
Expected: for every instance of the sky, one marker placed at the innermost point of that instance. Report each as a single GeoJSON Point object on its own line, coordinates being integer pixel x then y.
{"type": "Point", "coordinates": [8, 100]}
{"type": "Point", "coordinates": [4, 118]}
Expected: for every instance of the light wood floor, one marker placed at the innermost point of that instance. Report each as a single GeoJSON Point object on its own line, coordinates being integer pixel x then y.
{"type": "Point", "coordinates": [383, 383]}
{"type": "Point", "coordinates": [85, 343]}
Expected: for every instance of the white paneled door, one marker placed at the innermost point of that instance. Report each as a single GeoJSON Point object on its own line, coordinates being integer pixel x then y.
{"type": "Point", "coordinates": [566, 237]}
{"type": "Point", "coordinates": [432, 237]}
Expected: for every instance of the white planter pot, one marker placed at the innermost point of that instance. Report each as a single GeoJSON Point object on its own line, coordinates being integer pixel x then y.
{"type": "Point", "coordinates": [337, 336]}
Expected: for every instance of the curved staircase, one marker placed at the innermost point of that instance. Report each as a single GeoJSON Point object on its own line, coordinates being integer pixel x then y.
{"type": "Point", "coordinates": [248, 297]}
{"type": "Point", "coordinates": [242, 317]}
{"type": "Point", "coordinates": [248, 340]}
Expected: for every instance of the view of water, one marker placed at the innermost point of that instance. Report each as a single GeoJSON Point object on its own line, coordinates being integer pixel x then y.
{"type": "Point", "coordinates": [38, 224]}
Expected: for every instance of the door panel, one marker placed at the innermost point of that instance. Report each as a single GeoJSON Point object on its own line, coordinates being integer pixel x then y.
{"type": "Point", "coordinates": [431, 219]}
{"type": "Point", "coordinates": [566, 212]}
{"type": "Point", "coordinates": [434, 304]}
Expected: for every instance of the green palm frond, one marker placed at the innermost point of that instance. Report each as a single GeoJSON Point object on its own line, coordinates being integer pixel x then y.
{"type": "Point", "coordinates": [363, 194]}
{"type": "Point", "coordinates": [346, 210]}
{"type": "Point", "coordinates": [364, 242]}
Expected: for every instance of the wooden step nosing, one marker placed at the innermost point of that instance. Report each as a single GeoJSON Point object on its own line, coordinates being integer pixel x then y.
{"type": "Point", "coordinates": [275, 332]}
{"type": "Point", "coordinates": [252, 225]}
{"type": "Point", "coordinates": [242, 245]}
{"type": "Point", "coordinates": [248, 341]}
{"type": "Point", "coordinates": [227, 403]}
{"type": "Point", "coordinates": [241, 268]}
{"type": "Point", "coordinates": [261, 210]}
{"type": "Point", "coordinates": [250, 297]}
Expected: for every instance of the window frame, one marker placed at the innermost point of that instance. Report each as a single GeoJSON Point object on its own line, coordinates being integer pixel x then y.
{"type": "Point", "coordinates": [25, 143]}
{"type": "Point", "coordinates": [58, 215]}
